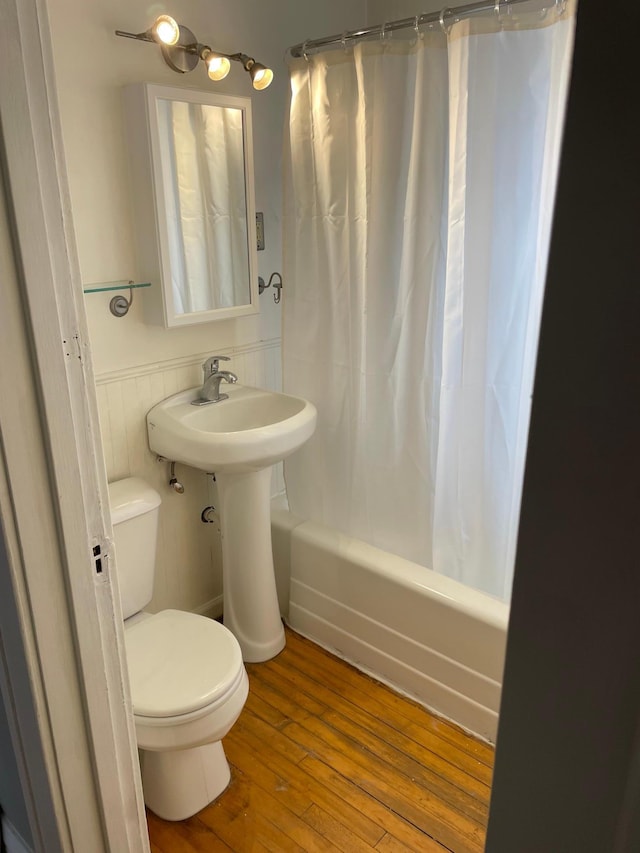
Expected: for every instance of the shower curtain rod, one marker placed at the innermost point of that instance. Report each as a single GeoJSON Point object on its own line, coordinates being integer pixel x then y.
{"type": "Point", "coordinates": [457, 12]}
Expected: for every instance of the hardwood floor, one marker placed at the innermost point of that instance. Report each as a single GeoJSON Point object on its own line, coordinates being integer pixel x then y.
{"type": "Point", "coordinates": [325, 758]}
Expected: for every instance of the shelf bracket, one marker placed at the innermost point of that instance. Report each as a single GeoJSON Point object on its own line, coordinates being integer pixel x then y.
{"type": "Point", "coordinates": [119, 305]}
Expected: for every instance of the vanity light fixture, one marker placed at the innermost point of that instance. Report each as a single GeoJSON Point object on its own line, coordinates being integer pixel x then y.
{"type": "Point", "coordinates": [261, 76]}
{"type": "Point", "coordinates": [181, 51]}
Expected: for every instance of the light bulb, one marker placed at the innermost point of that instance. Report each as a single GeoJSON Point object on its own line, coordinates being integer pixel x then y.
{"type": "Point", "coordinates": [166, 30]}
{"type": "Point", "coordinates": [217, 66]}
{"type": "Point", "coordinates": [261, 76]}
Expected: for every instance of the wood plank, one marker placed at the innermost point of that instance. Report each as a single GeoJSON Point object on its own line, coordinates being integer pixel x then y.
{"type": "Point", "coordinates": [390, 844]}
{"type": "Point", "coordinates": [269, 685]}
{"type": "Point", "coordinates": [279, 743]}
{"type": "Point", "coordinates": [401, 794]}
{"type": "Point", "coordinates": [406, 713]}
{"type": "Point", "coordinates": [287, 828]}
{"type": "Point", "coordinates": [275, 777]}
{"type": "Point", "coordinates": [380, 814]}
{"type": "Point", "coordinates": [188, 836]}
{"type": "Point", "coordinates": [457, 769]}
{"type": "Point", "coordinates": [334, 831]}
{"type": "Point", "coordinates": [345, 802]}
{"type": "Point", "coordinates": [412, 837]}
{"type": "Point", "coordinates": [238, 819]}
{"type": "Point", "coordinates": [422, 766]}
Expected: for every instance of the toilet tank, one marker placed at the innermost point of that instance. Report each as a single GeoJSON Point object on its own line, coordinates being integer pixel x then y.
{"type": "Point", "coordinates": [134, 516]}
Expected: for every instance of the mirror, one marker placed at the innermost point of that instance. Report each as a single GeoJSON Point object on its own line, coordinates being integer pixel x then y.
{"type": "Point", "coordinates": [192, 175]}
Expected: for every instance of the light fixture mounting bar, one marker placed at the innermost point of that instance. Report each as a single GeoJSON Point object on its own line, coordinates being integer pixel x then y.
{"type": "Point", "coordinates": [136, 36]}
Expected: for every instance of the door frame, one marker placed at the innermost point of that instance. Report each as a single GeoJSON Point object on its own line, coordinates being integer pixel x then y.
{"type": "Point", "coordinates": [62, 665]}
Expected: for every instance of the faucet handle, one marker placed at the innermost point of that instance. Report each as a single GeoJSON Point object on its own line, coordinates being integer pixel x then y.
{"type": "Point", "coordinates": [212, 363]}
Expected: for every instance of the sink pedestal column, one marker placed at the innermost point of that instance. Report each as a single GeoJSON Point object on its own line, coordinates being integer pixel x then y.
{"type": "Point", "coordinates": [251, 610]}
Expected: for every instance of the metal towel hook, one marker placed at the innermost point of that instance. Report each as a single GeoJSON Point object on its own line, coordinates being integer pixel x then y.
{"type": "Point", "coordinates": [277, 285]}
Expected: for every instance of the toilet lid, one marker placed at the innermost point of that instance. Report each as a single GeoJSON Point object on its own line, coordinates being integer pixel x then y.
{"type": "Point", "coordinates": [179, 662]}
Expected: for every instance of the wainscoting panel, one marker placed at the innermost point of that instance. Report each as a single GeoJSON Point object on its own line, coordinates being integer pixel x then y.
{"type": "Point", "coordinates": [189, 571]}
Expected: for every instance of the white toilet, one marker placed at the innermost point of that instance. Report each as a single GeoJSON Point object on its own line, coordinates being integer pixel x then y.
{"type": "Point", "coordinates": [188, 682]}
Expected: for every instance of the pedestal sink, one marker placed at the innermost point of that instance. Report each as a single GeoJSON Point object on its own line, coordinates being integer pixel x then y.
{"type": "Point", "coordinates": [239, 439]}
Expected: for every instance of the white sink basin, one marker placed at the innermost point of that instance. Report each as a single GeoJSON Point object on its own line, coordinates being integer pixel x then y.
{"type": "Point", "coordinates": [239, 439]}
{"type": "Point", "coordinates": [252, 429]}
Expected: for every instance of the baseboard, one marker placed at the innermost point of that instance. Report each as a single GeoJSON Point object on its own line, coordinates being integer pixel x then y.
{"type": "Point", "coordinates": [13, 841]}
{"type": "Point", "coordinates": [211, 608]}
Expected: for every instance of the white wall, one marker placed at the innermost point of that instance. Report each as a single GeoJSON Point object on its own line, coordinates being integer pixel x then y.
{"type": "Point", "coordinates": [379, 11]}
{"type": "Point", "coordinates": [137, 364]}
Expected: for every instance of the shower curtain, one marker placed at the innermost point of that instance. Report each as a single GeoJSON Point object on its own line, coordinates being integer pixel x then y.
{"type": "Point", "coordinates": [418, 203]}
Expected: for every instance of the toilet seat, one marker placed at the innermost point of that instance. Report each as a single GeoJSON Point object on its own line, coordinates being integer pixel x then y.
{"type": "Point", "coordinates": [181, 666]}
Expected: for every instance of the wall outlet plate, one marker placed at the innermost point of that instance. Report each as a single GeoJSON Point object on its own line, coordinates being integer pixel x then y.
{"type": "Point", "coordinates": [260, 230]}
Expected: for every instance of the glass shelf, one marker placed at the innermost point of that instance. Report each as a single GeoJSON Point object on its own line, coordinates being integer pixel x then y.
{"type": "Point", "coordinates": [104, 286]}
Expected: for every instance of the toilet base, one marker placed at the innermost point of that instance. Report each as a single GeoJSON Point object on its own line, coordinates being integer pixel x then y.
{"type": "Point", "coordinates": [181, 782]}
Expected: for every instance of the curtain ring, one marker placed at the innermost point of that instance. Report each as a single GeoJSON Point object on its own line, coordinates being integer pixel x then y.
{"type": "Point", "coordinates": [499, 6]}
{"type": "Point", "coordinates": [416, 27]}
{"type": "Point", "coordinates": [383, 27]}
{"type": "Point", "coordinates": [443, 15]}
{"type": "Point", "coordinates": [561, 6]}
{"type": "Point", "coordinates": [344, 41]}
{"type": "Point", "coordinates": [304, 50]}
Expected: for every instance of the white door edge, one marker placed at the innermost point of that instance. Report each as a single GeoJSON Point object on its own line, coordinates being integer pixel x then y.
{"type": "Point", "coordinates": [53, 492]}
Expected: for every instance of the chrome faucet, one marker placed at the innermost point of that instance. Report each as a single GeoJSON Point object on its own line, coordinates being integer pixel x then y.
{"type": "Point", "coordinates": [210, 391]}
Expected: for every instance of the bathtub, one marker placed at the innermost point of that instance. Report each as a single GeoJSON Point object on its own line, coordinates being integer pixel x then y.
{"type": "Point", "coordinates": [423, 634]}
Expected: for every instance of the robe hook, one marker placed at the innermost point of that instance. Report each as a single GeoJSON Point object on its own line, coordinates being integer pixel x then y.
{"type": "Point", "coordinates": [277, 285]}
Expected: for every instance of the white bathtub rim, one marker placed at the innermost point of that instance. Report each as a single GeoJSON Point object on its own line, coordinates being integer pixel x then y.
{"type": "Point", "coordinates": [471, 602]}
